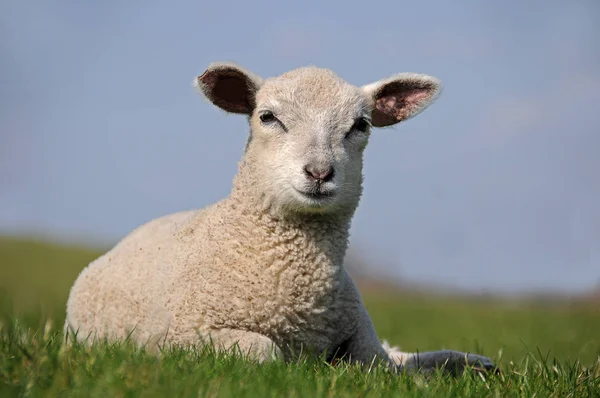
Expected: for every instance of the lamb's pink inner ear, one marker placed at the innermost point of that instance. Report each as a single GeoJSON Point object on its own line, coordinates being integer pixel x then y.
{"type": "Point", "coordinates": [403, 103]}
{"type": "Point", "coordinates": [402, 98]}
{"type": "Point", "coordinates": [229, 89]}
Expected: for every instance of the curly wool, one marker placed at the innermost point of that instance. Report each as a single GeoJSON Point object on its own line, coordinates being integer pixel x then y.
{"type": "Point", "coordinates": [180, 278]}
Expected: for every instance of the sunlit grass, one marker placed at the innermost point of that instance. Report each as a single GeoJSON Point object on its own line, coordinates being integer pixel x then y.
{"type": "Point", "coordinates": [34, 362]}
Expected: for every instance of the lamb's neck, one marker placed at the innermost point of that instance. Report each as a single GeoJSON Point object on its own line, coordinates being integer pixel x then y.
{"type": "Point", "coordinates": [324, 235]}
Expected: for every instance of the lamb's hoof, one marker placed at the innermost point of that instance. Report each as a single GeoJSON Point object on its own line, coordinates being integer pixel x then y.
{"type": "Point", "coordinates": [451, 361]}
{"type": "Point", "coordinates": [481, 364]}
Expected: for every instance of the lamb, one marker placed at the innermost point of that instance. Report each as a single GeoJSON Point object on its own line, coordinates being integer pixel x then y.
{"type": "Point", "coordinates": [262, 270]}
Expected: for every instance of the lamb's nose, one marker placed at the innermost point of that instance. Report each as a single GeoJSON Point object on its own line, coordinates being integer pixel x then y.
{"type": "Point", "coordinates": [319, 174]}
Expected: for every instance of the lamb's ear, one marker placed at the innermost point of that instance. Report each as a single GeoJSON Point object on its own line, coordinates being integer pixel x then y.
{"type": "Point", "coordinates": [401, 97]}
{"type": "Point", "coordinates": [229, 87]}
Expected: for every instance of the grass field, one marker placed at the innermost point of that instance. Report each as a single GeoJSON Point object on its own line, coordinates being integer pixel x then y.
{"type": "Point", "coordinates": [543, 349]}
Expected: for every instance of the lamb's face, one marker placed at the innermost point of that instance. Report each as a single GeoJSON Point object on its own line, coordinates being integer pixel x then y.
{"type": "Point", "coordinates": [310, 128]}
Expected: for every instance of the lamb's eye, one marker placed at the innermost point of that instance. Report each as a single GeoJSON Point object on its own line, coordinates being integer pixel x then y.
{"type": "Point", "coordinates": [360, 125]}
{"type": "Point", "coordinates": [267, 117]}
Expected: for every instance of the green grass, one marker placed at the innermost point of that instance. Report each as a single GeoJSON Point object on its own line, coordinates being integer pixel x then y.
{"type": "Point", "coordinates": [32, 363]}
{"type": "Point", "coordinates": [543, 350]}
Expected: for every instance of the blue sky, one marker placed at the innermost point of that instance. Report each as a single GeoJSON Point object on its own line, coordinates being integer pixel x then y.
{"type": "Point", "coordinates": [496, 186]}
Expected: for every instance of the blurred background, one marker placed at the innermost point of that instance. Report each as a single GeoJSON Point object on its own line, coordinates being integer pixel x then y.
{"type": "Point", "coordinates": [494, 189]}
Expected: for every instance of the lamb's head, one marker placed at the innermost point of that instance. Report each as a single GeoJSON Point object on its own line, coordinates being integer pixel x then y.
{"type": "Point", "coordinates": [309, 129]}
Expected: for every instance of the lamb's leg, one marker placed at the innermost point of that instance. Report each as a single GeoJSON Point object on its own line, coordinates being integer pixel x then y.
{"type": "Point", "coordinates": [251, 345]}
{"type": "Point", "coordinates": [364, 346]}
{"type": "Point", "coordinates": [453, 361]}
{"type": "Point", "coordinates": [396, 355]}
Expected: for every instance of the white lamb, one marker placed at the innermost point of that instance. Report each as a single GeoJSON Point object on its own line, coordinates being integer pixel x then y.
{"type": "Point", "coordinates": [262, 270]}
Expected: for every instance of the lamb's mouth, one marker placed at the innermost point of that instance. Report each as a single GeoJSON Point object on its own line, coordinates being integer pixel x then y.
{"type": "Point", "coordinates": [317, 194]}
